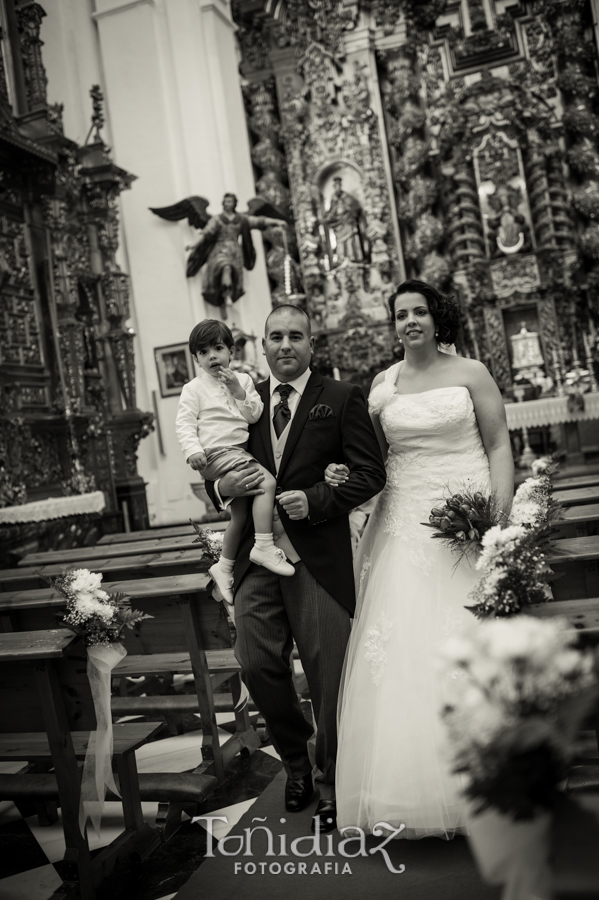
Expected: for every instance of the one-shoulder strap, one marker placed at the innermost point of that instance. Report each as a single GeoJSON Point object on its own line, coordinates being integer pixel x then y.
{"type": "Point", "coordinates": [392, 372]}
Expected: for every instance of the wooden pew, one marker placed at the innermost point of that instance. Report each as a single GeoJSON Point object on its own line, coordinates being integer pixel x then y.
{"type": "Point", "coordinates": [119, 568]}
{"type": "Point", "coordinates": [169, 531]}
{"type": "Point", "coordinates": [133, 548]}
{"type": "Point", "coordinates": [575, 562]}
{"type": "Point", "coordinates": [583, 615]}
{"type": "Point", "coordinates": [44, 696]}
{"type": "Point", "coordinates": [577, 496]}
{"type": "Point", "coordinates": [589, 479]}
{"type": "Point", "coordinates": [188, 634]}
{"type": "Point", "coordinates": [575, 839]}
{"type": "Point", "coordinates": [578, 521]}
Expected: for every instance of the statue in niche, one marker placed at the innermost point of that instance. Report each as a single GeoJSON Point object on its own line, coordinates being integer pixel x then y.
{"type": "Point", "coordinates": [508, 225]}
{"type": "Point", "coordinates": [347, 220]}
{"type": "Point", "coordinates": [219, 248]}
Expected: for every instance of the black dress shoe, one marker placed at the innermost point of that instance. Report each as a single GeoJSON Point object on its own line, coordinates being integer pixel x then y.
{"type": "Point", "coordinates": [327, 815]}
{"type": "Point", "coordinates": [298, 793]}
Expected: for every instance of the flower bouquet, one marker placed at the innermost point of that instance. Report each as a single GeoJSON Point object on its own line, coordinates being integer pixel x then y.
{"type": "Point", "coordinates": [96, 616]}
{"type": "Point", "coordinates": [521, 691]}
{"type": "Point", "coordinates": [464, 518]}
{"type": "Point", "coordinates": [210, 541]}
{"type": "Point", "coordinates": [100, 619]}
{"type": "Point", "coordinates": [514, 571]}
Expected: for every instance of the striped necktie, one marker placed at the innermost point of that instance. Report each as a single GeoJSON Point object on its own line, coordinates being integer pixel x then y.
{"type": "Point", "coordinates": [281, 413]}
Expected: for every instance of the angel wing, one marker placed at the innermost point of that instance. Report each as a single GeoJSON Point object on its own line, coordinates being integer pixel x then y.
{"type": "Point", "coordinates": [258, 206]}
{"type": "Point", "coordinates": [194, 209]}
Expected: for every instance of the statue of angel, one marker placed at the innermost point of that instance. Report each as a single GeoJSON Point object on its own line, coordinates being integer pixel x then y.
{"type": "Point", "coordinates": [219, 247]}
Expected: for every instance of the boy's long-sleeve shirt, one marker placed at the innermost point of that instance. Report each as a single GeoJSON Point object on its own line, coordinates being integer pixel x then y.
{"type": "Point", "coordinates": [208, 416]}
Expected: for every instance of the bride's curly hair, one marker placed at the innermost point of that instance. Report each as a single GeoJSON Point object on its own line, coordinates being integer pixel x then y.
{"type": "Point", "coordinates": [444, 308]}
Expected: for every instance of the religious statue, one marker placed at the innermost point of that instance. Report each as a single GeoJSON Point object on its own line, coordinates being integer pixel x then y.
{"type": "Point", "coordinates": [219, 248]}
{"type": "Point", "coordinates": [347, 220]}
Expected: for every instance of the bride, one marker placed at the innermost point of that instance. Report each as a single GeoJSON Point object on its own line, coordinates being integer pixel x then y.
{"type": "Point", "coordinates": [441, 423]}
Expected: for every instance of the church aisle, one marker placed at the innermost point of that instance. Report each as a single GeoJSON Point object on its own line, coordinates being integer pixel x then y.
{"type": "Point", "coordinates": [31, 854]}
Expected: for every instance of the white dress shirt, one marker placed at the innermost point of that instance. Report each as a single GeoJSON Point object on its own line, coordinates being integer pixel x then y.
{"type": "Point", "coordinates": [208, 416]}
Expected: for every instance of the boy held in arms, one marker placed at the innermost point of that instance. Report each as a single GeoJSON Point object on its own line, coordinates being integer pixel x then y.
{"type": "Point", "coordinates": [215, 409]}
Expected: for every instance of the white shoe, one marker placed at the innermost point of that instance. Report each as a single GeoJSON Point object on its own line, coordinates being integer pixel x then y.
{"type": "Point", "coordinates": [223, 582]}
{"type": "Point", "coordinates": [273, 559]}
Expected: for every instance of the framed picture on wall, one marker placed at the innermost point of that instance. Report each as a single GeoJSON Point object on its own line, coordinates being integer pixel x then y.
{"type": "Point", "coordinates": [175, 368]}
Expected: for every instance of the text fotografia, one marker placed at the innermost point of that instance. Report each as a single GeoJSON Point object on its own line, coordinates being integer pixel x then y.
{"type": "Point", "coordinates": [317, 845]}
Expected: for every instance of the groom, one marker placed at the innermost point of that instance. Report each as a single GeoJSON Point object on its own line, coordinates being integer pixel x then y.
{"type": "Point", "coordinates": [308, 422]}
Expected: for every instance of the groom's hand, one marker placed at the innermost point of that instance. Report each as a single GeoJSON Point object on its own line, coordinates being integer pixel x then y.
{"type": "Point", "coordinates": [243, 482]}
{"type": "Point", "coordinates": [295, 504]}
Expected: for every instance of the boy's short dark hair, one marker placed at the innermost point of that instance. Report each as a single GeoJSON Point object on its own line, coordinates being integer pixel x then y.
{"type": "Point", "coordinates": [208, 333]}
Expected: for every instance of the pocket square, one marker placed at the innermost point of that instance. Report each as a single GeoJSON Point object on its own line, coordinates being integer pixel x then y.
{"type": "Point", "coordinates": [321, 411]}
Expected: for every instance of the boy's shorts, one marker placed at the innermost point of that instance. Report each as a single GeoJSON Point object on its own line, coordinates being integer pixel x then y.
{"type": "Point", "coordinates": [223, 459]}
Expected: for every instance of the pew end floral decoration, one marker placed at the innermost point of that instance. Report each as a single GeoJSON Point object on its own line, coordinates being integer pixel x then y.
{"type": "Point", "coordinates": [95, 615]}
{"type": "Point", "coordinates": [521, 692]}
{"type": "Point", "coordinates": [211, 542]}
{"type": "Point", "coordinates": [100, 619]}
{"type": "Point", "coordinates": [512, 561]}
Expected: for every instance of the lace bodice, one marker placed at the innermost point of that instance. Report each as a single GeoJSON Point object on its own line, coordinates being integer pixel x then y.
{"type": "Point", "coordinates": [434, 447]}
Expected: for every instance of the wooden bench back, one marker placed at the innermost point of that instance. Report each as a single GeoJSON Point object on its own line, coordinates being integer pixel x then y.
{"type": "Point", "coordinates": [20, 709]}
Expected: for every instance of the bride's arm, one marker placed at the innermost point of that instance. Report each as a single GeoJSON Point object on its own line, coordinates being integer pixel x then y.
{"type": "Point", "coordinates": [490, 415]}
{"type": "Point", "coordinates": [378, 428]}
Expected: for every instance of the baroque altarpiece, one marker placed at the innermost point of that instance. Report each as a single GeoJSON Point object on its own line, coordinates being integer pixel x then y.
{"type": "Point", "coordinates": [453, 141]}
{"type": "Point", "coordinates": [68, 419]}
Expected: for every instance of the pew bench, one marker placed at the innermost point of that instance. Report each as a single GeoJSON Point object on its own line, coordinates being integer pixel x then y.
{"type": "Point", "coordinates": [189, 632]}
{"type": "Point", "coordinates": [577, 521]}
{"type": "Point", "coordinates": [80, 557]}
{"type": "Point", "coordinates": [575, 563]}
{"type": "Point", "coordinates": [44, 695]}
{"type": "Point", "coordinates": [169, 531]}
{"type": "Point", "coordinates": [575, 839]}
{"type": "Point", "coordinates": [117, 568]}
{"type": "Point", "coordinates": [588, 479]}
{"type": "Point", "coordinates": [583, 615]}
{"type": "Point", "coordinates": [577, 496]}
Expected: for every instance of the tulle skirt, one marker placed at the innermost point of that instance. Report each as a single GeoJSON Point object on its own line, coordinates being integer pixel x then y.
{"type": "Point", "coordinates": [393, 763]}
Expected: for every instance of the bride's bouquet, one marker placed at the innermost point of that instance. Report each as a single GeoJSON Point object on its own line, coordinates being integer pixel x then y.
{"type": "Point", "coordinates": [463, 518]}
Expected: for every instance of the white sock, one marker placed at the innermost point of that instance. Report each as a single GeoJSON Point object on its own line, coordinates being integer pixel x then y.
{"type": "Point", "coordinates": [226, 565]}
{"type": "Point", "coordinates": [263, 541]}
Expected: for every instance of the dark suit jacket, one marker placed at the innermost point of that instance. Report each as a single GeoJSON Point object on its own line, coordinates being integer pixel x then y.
{"type": "Point", "coordinates": [322, 540]}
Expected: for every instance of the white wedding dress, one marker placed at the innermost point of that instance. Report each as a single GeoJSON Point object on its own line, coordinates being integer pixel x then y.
{"type": "Point", "coordinates": [393, 762]}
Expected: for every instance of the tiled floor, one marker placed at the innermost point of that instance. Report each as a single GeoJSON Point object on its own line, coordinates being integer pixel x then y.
{"type": "Point", "coordinates": [29, 852]}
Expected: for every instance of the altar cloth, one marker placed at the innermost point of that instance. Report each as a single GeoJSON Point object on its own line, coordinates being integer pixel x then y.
{"type": "Point", "coordinates": [549, 411]}
{"type": "Point", "coordinates": [53, 508]}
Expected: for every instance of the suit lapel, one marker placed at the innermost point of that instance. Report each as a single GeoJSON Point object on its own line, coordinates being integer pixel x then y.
{"type": "Point", "coordinates": [309, 398]}
{"type": "Point", "coordinates": [263, 425]}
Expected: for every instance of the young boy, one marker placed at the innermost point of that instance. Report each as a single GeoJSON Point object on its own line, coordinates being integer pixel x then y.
{"type": "Point", "coordinates": [213, 415]}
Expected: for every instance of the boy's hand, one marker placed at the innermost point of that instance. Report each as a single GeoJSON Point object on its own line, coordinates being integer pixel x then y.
{"type": "Point", "coordinates": [231, 381]}
{"type": "Point", "coordinates": [198, 461]}
{"type": "Point", "coordinates": [336, 474]}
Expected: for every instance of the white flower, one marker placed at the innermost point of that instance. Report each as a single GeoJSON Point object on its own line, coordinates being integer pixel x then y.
{"type": "Point", "coordinates": [86, 607]}
{"type": "Point", "coordinates": [526, 513]}
{"type": "Point", "coordinates": [498, 540]}
{"type": "Point", "coordinates": [85, 581]}
{"type": "Point", "coordinates": [380, 396]}
{"type": "Point", "coordinates": [540, 466]}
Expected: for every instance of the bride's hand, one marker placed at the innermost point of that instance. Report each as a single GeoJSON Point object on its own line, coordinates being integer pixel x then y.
{"type": "Point", "coordinates": [336, 474]}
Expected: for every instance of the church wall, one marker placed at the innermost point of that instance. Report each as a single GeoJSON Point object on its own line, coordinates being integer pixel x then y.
{"type": "Point", "coordinates": [175, 119]}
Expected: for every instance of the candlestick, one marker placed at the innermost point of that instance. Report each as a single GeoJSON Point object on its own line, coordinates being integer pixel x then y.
{"type": "Point", "coordinates": [558, 374]}
{"type": "Point", "coordinates": [589, 363]}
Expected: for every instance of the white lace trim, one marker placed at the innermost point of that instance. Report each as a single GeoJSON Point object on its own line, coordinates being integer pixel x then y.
{"type": "Point", "coordinates": [378, 636]}
{"type": "Point", "coordinates": [363, 572]}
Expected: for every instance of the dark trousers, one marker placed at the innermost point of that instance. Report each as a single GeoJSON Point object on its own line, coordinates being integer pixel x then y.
{"type": "Point", "coordinates": [270, 611]}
